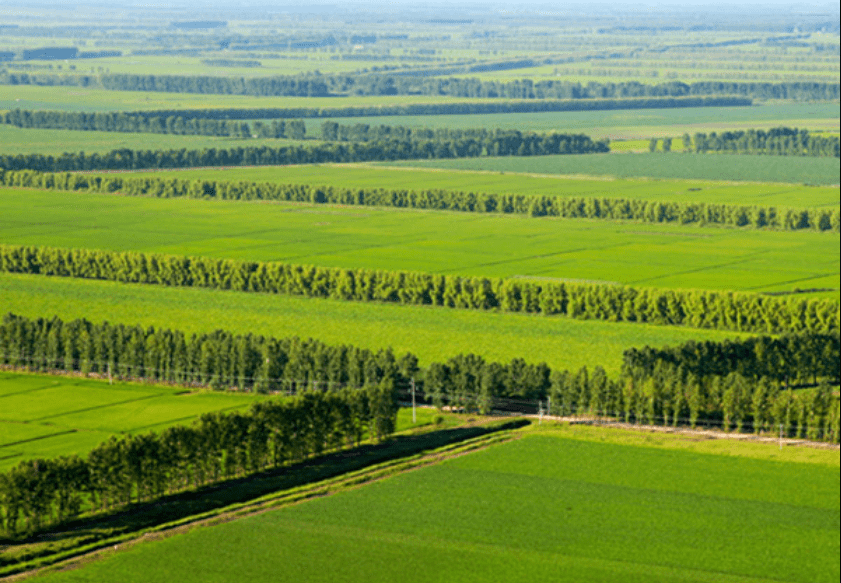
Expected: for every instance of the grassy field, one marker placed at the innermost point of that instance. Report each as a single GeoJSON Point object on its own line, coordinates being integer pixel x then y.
{"type": "Point", "coordinates": [399, 178]}
{"type": "Point", "coordinates": [668, 256]}
{"type": "Point", "coordinates": [86, 99]}
{"type": "Point", "coordinates": [791, 169]}
{"type": "Point", "coordinates": [433, 334]}
{"type": "Point", "coordinates": [49, 416]}
{"type": "Point", "coordinates": [45, 416]}
{"type": "Point", "coordinates": [626, 124]}
{"type": "Point", "coordinates": [549, 506]}
{"type": "Point", "coordinates": [56, 142]}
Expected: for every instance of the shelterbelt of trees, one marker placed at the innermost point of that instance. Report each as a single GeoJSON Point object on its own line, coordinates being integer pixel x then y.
{"type": "Point", "coordinates": [820, 219]}
{"type": "Point", "coordinates": [695, 308]}
{"type": "Point", "coordinates": [315, 85]}
{"type": "Point", "coordinates": [218, 122]}
{"type": "Point", "coordinates": [781, 141]}
{"type": "Point", "coordinates": [218, 447]}
{"type": "Point", "coordinates": [507, 143]}
{"type": "Point", "coordinates": [43, 492]}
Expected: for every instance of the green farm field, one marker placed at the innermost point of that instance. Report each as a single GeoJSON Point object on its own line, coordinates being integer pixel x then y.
{"type": "Point", "coordinates": [432, 334]}
{"type": "Point", "coordinates": [625, 124]}
{"type": "Point", "coordinates": [640, 254]}
{"type": "Point", "coordinates": [87, 99]}
{"type": "Point", "coordinates": [15, 141]}
{"type": "Point", "coordinates": [555, 505]}
{"type": "Point", "coordinates": [731, 167]}
{"type": "Point", "coordinates": [400, 178]}
{"type": "Point", "coordinates": [45, 416]}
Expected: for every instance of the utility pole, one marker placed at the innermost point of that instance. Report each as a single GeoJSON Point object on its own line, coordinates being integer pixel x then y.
{"type": "Point", "coordinates": [110, 380]}
{"type": "Point", "coordinates": [539, 411]}
{"type": "Point", "coordinates": [414, 414]}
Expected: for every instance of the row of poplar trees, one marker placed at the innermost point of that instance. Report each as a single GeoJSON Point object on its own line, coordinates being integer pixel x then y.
{"type": "Point", "coordinates": [695, 308]}
{"type": "Point", "coordinates": [757, 216]}
{"type": "Point", "coordinates": [512, 143]}
{"type": "Point", "coordinates": [219, 446]}
{"type": "Point", "coordinates": [780, 141]}
{"type": "Point", "coordinates": [668, 387]}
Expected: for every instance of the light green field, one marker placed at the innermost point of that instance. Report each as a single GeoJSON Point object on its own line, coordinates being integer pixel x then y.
{"type": "Point", "coordinates": [668, 256]}
{"type": "Point", "coordinates": [625, 124]}
{"type": "Point", "coordinates": [56, 142]}
{"type": "Point", "coordinates": [548, 506]}
{"type": "Point", "coordinates": [432, 334]}
{"type": "Point", "coordinates": [85, 99]}
{"type": "Point", "coordinates": [733, 167]}
{"type": "Point", "coordinates": [399, 178]}
{"type": "Point", "coordinates": [45, 416]}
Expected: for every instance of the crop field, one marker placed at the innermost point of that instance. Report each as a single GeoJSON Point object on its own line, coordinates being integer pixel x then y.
{"type": "Point", "coordinates": [734, 167]}
{"type": "Point", "coordinates": [624, 124]}
{"type": "Point", "coordinates": [641, 254]}
{"type": "Point", "coordinates": [400, 178]}
{"type": "Point", "coordinates": [43, 416]}
{"type": "Point", "coordinates": [91, 99]}
{"type": "Point", "coordinates": [561, 505]}
{"type": "Point", "coordinates": [431, 334]}
{"type": "Point", "coordinates": [56, 142]}
{"type": "Point", "coordinates": [47, 416]}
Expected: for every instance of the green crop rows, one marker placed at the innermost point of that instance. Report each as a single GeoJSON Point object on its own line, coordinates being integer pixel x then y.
{"type": "Point", "coordinates": [438, 242]}
{"type": "Point", "coordinates": [553, 507]}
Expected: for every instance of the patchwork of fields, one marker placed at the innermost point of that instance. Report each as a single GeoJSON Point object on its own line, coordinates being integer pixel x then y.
{"type": "Point", "coordinates": [345, 485]}
{"type": "Point", "coordinates": [554, 506]}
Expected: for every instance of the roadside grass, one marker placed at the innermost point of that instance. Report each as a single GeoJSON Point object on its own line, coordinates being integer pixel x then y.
{"type": "Point", "coordinates": [499, 182]}
{"type": "Point", "coordinates": [548, 506]}
{"type": "Point", "coordinates": [641, 254]}
{"type": "Point", "coordinates": [432, 334]}
{"type": "Point", "coordinates": [731, 167]}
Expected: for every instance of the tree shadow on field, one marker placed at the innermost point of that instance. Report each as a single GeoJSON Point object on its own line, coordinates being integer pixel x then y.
{"type": "Point", "coordinates": [140, 516]}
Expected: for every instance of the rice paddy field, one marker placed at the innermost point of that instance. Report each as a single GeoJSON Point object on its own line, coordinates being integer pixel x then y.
{"type": "Point", "coordinates": [411, 177]}
{"type": "Point", "coordinates": [561, 504]}
{"type": "Point", "coordinates": [668, 256]}
{"type": "Point", "coordinates": [43, 416]}
{"type": "Point", "coordinates": [429, 333]}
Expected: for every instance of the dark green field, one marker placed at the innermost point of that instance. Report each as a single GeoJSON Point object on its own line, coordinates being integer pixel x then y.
{"type": "Point", "coordinates": [550, 506]}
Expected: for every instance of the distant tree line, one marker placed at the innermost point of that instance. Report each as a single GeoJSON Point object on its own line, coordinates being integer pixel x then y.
{"type": "Point", "coordinates": [507, 143]}
{"type": "Point", "coordinates": [396, 84]}
{"type": "Point", "coordinates": [80, 120]}
{"type": "Point", "coordinates": [778, 141]}
{"type": "Point", "coordinates": [695, 308]}
{"type": "Point", "coordinates": [820, 219]}
{"type": "Point", "coordinates": [39, 493]}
